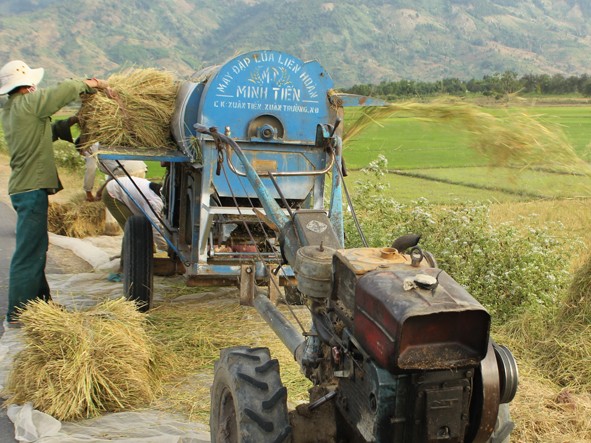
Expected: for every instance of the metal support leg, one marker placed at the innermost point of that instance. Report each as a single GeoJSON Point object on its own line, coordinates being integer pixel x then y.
{"type": "Point", "coordinates": [274, 293]}
{"type": "Point", "coordinates": [247, 284]}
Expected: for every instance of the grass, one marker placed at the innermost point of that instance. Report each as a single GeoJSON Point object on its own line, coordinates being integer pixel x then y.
{"type": "Point", "coordinates": [406, 188]}
{"type": "Point", "coordinates": [524, 182]}
{"type": "Point", "coordinates": [441, 166]}
{"type": "Point", "coordinates": [155, 171]}
{"type": "Point", "coordinates": [409, 143]}
{"type": "Point", "coordinates": [575, 122]}
{"type": "Point", "coordinates": [572, 215]}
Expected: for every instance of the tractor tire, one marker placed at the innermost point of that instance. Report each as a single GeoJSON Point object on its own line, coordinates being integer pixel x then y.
{"type": "Point", "coordinates": [138, 272]}
{"type": "Point", "coordinates": [503, 427]}
{"type": "Point", "coordinates": [248, 400]}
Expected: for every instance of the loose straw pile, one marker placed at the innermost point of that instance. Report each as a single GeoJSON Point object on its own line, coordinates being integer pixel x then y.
{"type": "Point", "coordinates": [83, 219]}
{"type": "Point", "coordinates": [81, 364]}
{"type": "Point", "coordinates": [139, 114]}
{"type": "Point", "coordinates": [197, 331]}
{"type": "Point", "coordinates": [553, 351]}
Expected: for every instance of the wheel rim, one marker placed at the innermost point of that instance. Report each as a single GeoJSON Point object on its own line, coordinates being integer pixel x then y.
{"type": "Point", "coordinates": [228, 427]}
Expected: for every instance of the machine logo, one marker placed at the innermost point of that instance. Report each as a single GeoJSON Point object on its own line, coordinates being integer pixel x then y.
{"type": "Point", "coordinates": [269, 82]}
{"type": "Point", "coordinates": [270, 75]}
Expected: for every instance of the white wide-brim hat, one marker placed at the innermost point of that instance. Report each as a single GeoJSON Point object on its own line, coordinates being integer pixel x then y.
{"type": "Point", "coordinates": [17, 73]}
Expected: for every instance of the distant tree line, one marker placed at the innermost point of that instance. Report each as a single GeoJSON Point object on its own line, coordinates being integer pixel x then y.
{"type": "Point", "coordinates": [496, 85]}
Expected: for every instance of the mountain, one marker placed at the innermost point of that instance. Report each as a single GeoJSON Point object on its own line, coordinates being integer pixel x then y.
{"type": "Point", "coordinates": [357, 41]}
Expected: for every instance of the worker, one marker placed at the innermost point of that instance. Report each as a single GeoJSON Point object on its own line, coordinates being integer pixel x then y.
{"type": "Point", "coordinates": [111, 168]}
{"type": "Point", "coordinates": [141, 193]}
{"type": "Point", "coordinates": [117, 168]}
{"type": "Point", "coordinates": [26, 120]}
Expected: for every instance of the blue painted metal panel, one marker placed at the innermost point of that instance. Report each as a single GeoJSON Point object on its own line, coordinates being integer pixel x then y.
{"type": "Point", "coordinates": [274, 91]}
{"type": "Point", "coordinates": [268, 82]}
{"type": "Point", "coordinates": [304, 159]}
{"type": "Point", "coordinates": [173, 157]}
{"type": "Point", "coordinates": [272, 104]}
{"type": "Point", "coordinates": [185, 116]}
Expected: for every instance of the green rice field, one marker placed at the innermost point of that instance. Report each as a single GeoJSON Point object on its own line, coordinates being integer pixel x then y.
{"type": "Point", "coordinates": [435, 161]}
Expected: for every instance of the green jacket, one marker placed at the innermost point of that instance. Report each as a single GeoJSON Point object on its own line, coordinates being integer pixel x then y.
{"type": "Point", "coordinates": [27, 129]}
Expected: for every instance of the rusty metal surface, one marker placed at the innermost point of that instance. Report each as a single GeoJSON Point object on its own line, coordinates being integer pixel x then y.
{"type": "Point", "coordinates": [274, 283]}
{"type": "Point", "coordinates": [264, 165]}
{"type": "Point", "coordinates": [416, 328]}
{"type": "Point", "coordinates": [194, 281]}
{"type": "Point", "coordinates": [247, 285]}
{"type": "Point", "coordinates": [363, 260]}
{"type": "Point", "coordinates": [313, 268]}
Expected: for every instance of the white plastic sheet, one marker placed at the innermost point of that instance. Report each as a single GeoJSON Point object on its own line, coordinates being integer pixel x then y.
{"type": "Point", "coordinates": [97, 251]}
{"type": "Point", "coordinates": [130, 427]}
{"type": "Point", "coordinates": [31, 425]}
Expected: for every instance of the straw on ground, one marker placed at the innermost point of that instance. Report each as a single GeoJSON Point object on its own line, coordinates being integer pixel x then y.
{"type": "Point", "coordinates": [81, 364]}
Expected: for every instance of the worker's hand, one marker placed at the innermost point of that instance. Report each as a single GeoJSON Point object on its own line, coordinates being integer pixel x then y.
{"type": "Point", "coordinates": [111, 93]}
{"type": "Point", "coordinates": [72, 120]}
{"type": "Point", "coordinates": [103, 85]}
{"type": "Point", "coordinates": [100, 84]}
{"type": "Point", "coordinates": [89, 197]}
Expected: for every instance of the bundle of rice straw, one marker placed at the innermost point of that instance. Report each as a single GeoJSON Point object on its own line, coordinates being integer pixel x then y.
{"type": "Point", "coordinates": [80, 364]}
{"type": "Point", "coordinates": [85, 220]}
{"type": "Point", "coordinates": [77, 219]}
{"type": "Point", "coordinates": [511, 138]}
{"type": "Point", "coordinates": [55, 218]}
{"type": "Point", "coordinates": [137, 116]}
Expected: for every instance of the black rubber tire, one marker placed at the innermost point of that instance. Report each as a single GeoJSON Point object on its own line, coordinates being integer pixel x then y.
{"type": "Point", "coordinates": [503, 427]}
{"type": "Point", "coordinates": [138, 272]}
{"type": "Point", "coordinates": [248, 400]}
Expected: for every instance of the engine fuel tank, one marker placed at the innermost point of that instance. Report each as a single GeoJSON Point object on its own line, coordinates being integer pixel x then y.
{"type": "Point", "coordinates": [405, 327]}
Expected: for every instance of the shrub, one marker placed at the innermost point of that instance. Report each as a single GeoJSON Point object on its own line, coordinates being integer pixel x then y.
{"type": "Point", "coordinates": [66, 156]}
{"type": "Point", "coordinates": [506, 268]}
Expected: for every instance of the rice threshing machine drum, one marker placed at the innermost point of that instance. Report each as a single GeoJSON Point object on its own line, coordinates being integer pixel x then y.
{"type": "Point", "coordinates": [278, 108]}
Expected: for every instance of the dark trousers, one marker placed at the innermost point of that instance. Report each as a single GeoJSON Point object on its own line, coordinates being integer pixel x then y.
{"type": "Point", "coordinates": [120, 212]}
{"type": "Point", "coordinates": [27, 267]}
{"type": "Point", "coordinates": [118, 209]}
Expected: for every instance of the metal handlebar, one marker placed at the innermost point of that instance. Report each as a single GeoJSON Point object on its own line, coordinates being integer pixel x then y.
{"type": "Point", "coordinates": [233, 145]}
{"type": "Point", "coordinates": [284, 173]}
